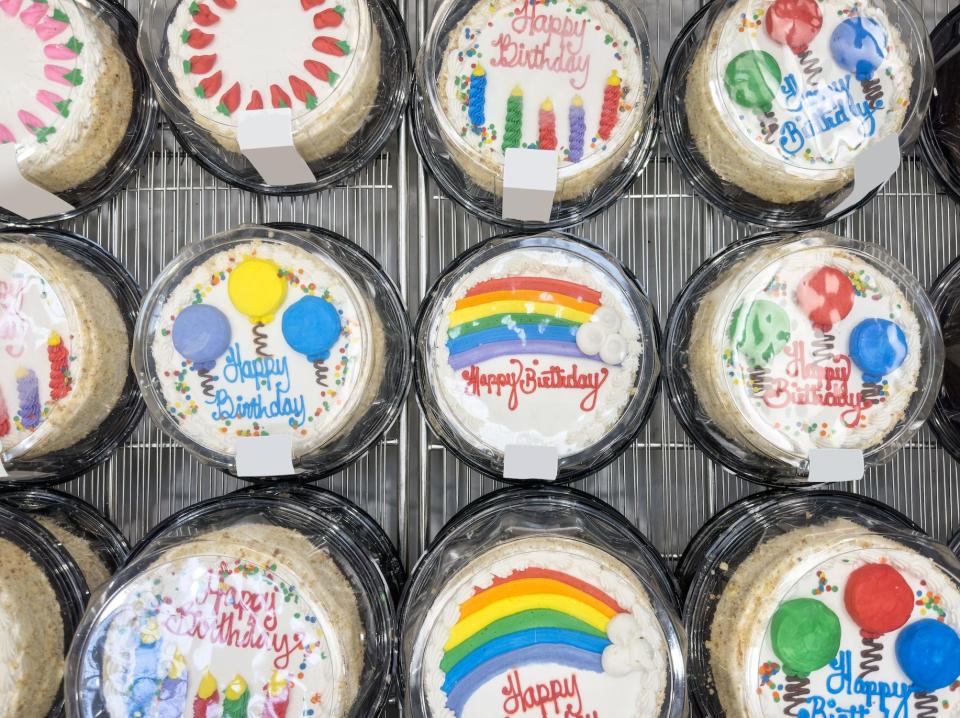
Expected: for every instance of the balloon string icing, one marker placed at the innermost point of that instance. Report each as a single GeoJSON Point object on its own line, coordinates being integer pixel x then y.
{"type": "Point", "coordinates": [926, 705]}
{"type": "Point", "coordinates": [759, 379]}
{"type": "Point", "coordinates": [770, 128]}
{"type": "Point", "coordinates": [260, 340]}
{"type": "Point", "coordinates": [823, 347]}
{"type": "Point", "coordinates": [321, 372]}
{"type": "Point", "coordinates": [811, 67]}
{"type": "Point", "coordinates": [872, 91]}
{"type": "Point", "coordinates": [206, 381]}
{"type": "Point", "coordinates": [795, 694]}
{"type": "Point", "coordinates": [871, 656]}
{"type": "Point", "coordinates": [871, 391]}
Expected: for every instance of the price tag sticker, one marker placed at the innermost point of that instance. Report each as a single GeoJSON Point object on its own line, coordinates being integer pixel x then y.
{"type": "Point", "coordinates": [266, 139]}
{"type": "Point", "coordinates": [19, 195]}
{"type": "Point", "coordinates": [539, 463]}
{"type": "Point", "coordinates": [832, 465]}
{"type": "Point", "coordinates": [874, 166]}
{"type": "Point", "coordinates": [529, 184]}
{"type": "Point", "coordinates": [264, 456]}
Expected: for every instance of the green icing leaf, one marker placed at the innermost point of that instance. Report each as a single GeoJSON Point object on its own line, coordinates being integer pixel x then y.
{"type": "Point", "coordinates": [42, 133]}
{"type": "Point", "coordinates": [74, 77]}
{"type": "Point", "coordinates": [64, 107]}
{"type": "Point", "coordinates": [74, 45]}
{"type": "Point", "coordinates": [194, 8]}
{"type": "Point", "coordinates": [187, 67]}
{"type": "Point", "coordinates": [222, 108]}
{"type": "Point", "coordinates": [60, 15]}
{"type": "Point", "coordinates": [332, 77]}
{"type": "Point", "coordinates": [185, 36]}
{"type": "Point", "coordinates": [201, 93]}
{"type": "Point", "coordinates": [344, 46]}
{"type": "Point", "coordinates": [311, 101]}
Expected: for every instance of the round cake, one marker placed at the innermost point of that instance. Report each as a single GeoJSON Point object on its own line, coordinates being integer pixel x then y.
{"type": "Point", "coordinates": [95, 571]}
{"type": "Point", "coordinates": [266, 338]}
{"type": "Point", "coordinates": [833, 620]}
{"type": "Point", "coordinates": [66, 96]}
{"type": "Point", "coordinates": [534, 346]}
{"type": "Point", "coordinates": [63, 350]}
{"type": "Point", "coordinates": [806, 346]}
{"type": "Point", "coordinates": [545, 627]}
{"type": "Point", "coordinates": [566, 75]}
{"type": "Point", "coordinates": [784, 95]}
{"type": "Point", "coordinates": [321, 60]}
{"type": "Point", "coordinates": [252, 620]}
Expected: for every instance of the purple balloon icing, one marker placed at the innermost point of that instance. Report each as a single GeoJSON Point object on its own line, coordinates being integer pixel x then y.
{"type": "Point", "coordinates": [201, 333]}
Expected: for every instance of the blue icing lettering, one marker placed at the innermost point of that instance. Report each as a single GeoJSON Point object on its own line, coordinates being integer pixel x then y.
{"type": "Point", "coordinates": [269, 380]}
{"type": "Point", "coordinates": [258, 407]}
{"type": "Point", "coordinates": [261, 371]}
{"type": "Point", "coordinates": [868, 698]}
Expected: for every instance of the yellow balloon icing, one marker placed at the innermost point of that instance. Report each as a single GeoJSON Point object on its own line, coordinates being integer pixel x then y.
{"type": "Point", "coordinates": [256, 289]}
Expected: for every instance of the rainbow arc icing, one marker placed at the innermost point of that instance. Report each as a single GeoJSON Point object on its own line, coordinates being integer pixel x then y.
{"type": "Point", "coordinates": [533, 616]}
{"type": "Point", "coordinates": [519, 315]}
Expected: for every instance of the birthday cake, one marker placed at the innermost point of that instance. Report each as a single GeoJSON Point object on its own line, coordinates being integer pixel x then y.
{"type": "Point", "coordinates": [252, 620]}
{"type": "Point", "coordinates": [321, 60]}
{"type": "Point", "coordinates": [547, 627]}
{"type": "Point", "coordinates": [535, 346]}
{"type": "Point", "coordinates": [266, 338]}
{"type": "Point", "coordinates": [63, 350]}
{"type": "Point", "coordinates": [785, 95]}
{"type": "Point", "coordinates": [833, 620]}
{"type": "Point", "coordinates": [32, 648]}
{"type": "Point", "coordinates": [66, 94]}
{"type": "Point", "coordinates": [799, 347]}
{"type": "Point", "coordinates": [91, 565]}
{"type": "Point", "coordinates": [564, 75]}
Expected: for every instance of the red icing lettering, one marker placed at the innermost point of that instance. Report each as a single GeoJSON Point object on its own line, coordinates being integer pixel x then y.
{"type": "Point", "coordinates": [555, 697]}
{"type": "Point", "coordinates": [13, 325]}
{"type": "Point", "coordinates": [531, 379]}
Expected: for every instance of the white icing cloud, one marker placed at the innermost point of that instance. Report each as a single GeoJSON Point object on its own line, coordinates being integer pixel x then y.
{"type": "Point", "coordinates": [630, 650]}
{"type": "Point", "coordinates": [601, 336]}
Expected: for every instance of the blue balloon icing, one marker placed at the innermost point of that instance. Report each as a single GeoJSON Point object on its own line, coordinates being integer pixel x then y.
{"type": "Point", "coordinates": [929, 653]}
{"type": "Point", "coordinates": [311, 327]}
{"type": "Point", "coordinates": [858, 45]}
{"type": "Point", "coordinates": [877, 346]}
{"type": "Point", "coordinates": [201, 333]}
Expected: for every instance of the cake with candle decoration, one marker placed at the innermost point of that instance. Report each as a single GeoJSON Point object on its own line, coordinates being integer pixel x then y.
{"type": "Point", "coordinates": [803, 345]}
{"type": "Point", "coordinates": [566, 76]}
{"type": "Point", "coordinates": [57, 382]}
{"type": "Point", "coordinates": [785, 95]}
{"type": "Point", "coordinates": [181, 642]}
{"type": "Point", "coordinates": [832, 619]}
{"type": "Point", "coordinates": [66, 96]}
{"type": "Point", "coordinates": [321, 60]}
{"type": "Point", "coordinates": [266, 338]}
{"type": "Point", "coordinates": [538, 624]}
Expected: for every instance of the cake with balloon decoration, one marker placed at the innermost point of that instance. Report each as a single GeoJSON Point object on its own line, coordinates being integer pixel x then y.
{"type": "Point", "coordinates": [785, 95]}
{"type": "Point", "coordinates": [539, 626]}
{"type": "Point", "coordinates": [265, 337]}
{"type": "Point", "coordinates": [806, 343]}
{"type": "Point", "coordinates": [565, 76]}
{"type": "Point", "coordinates": [832, 619]}
{"type": "Point", "coordinates": [66, 98]}
{"type": "Point", "coordinates": [320, 60]}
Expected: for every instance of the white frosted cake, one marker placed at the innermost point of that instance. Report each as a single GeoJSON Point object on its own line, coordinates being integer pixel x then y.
{"type": "Point", "coordinates": [253, 620]}
{"type": "Point", "coordinates": [63, 350]}
{"type": "Point", "coordinates": [798, 348]}
{"type": "Point", "coordinates": [66, 95]}
{"type": "Point", "coordinates": [266, 338]}
{"type": "Point", "coordinates": [535, 346]}
{"type": "Point", "coordinates": [565, 76]}
{"type": "Point", "coordinates": [785, 95]}
{"type": "Point", "coordinates": [547, 627]}
{"type": "Point", "coordinates": [833, 620]}
{"type": "Point", "coordinates": [320, 59]}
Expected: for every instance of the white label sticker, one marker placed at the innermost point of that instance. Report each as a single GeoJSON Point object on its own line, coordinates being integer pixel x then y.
{"type": "Point", "coordinates": [264, 456]}
{"type": "Point", "coordinates": [872, 168]}
{"type": "Point", "coordinates": [531, 462]}
{"type": "Point", "coordinates": [529, 184]}
{"type": "Point", "coordinates": [830, 465]}
{"type": "Point", "coordinates": [266, 139]}
{"type": "Point", "coordinates": [19, 195]}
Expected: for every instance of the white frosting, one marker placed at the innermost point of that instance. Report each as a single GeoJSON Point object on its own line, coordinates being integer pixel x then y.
{"type": "Point", "coordinates": [541, 398]}
{"type": "Point", "coordinates": [289, 400]}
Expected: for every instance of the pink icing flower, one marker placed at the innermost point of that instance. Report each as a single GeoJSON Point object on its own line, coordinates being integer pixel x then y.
{"type": "Point", "coordinates": [48, 28]}
{"type": "Point", "coordinates": [34, 14]}
{"type": "Point", "coordinates": [29, 120]}
{"type": "Point", "coordinates": [11, 7]}
{"type": "Point", "coordinates": [59, 52]}
{"type": "Point", "coordinates": [55, 73]}
{"type": "Point", "coordinates": [49, 100]}
{"type": "Point", "coordinates": [6, 135]}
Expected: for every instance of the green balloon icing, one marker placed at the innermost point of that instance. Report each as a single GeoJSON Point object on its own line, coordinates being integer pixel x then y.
{"type": "Point", "coordinates": [752, 79]}
{"type": "Point", "coordinates": [805, 636]}
{"type": "Point", "coordinates": [760, 333]}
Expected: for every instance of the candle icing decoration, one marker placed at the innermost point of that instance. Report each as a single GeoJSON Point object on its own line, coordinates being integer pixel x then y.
{"type": "Point", "coordinates": [28, 393]}
{"type": "Point", "coordinates": [277, 694]}
{"type": "Point", "coordinates": [311, 327]}
{"type": "Point", "coordinates": [236, 697]}
{"type": "Point", "coordinates": [59, 356]}
{"type": "Point", "coordinates": [879, 600]}
{"type": "Point", "coordinates": [578, 128]}
{"type": "Point", "coordinates": [143, 680]}
{"type": "Point", "coordinates": [478, 96]}
{"type": "Point", "coordinates": [858, 45]}
{"type": "Point", "coordinates": [611, 106]}
{"type": "Point", "coordinates": [173, 691]}
{"type": "Point", "coordinates": [513, 125]}
{"type": "Point", "coordinates": [202, 334]}
{"type": "Point", "coordinates": [548, 126]}
{"type": "Point", "coordinates": [257, 290]}
{"type": "Point", "coordinates": [206, 704]}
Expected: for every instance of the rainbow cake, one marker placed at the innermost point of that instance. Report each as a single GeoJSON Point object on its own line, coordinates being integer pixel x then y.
{"type": "Point", "coordinates": [535, 346]}
{"type": "Point", "coordinates": [833, 620]}
{"type": "Point", "coordinates": [63, 350]}
{"type": "Point", "coordinates": [266, 338]}
{"type": "Point", "coordinates": [252, 620]}
{"type": "Point", "coordinates": [66, 95]}
{"type": "Point", "coordinates": [549, 627]}
{"type": "Point", "coordinates": [801, 347]}
{"type": "Point", "coordinates": [567, 76]}
{"type": "Point", "coordinates": [784, 95]}
{"type": "Point", "coordinates": [321, 60]}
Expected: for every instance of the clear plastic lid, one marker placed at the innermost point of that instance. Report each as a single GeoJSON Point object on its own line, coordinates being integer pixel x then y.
{"type": "Point", "coordinates": [541, 340]}
{"type": "Point", "coordinates": [575, 77]}
{"type": "Point", "coordinates": [945, 419]}
{"type": "Point", "coordinates": [541, 601]}
{"type": "Point", "coordinates": [789, 343]}
{"type": "Point", "coordinates": [274, 330]}
{"type": "Point", "coordinates": [67, 395]}
{"type": "Point", "coordinates": [940, 136]}
{"type": "Point", "coordinates": [240, 606]}
{"type": "Point", "coordinates": [824, 602]}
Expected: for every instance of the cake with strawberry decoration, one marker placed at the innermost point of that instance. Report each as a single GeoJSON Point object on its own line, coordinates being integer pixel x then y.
{"type": "Point", "coordinates": [66, 95]}
{"type": "Point", "coordinates": [320, 59]}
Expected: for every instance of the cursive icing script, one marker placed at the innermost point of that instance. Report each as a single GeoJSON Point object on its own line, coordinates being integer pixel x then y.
{"type": "Point", "coordinates": [555, 697]}
{"type": "Point", "coordinates": [544, 42]}
{"type": "Point", "coordinates": [268, 383]}
{"type": "Point", "coordinates": [13, 325]}
{"type": "Point", "coordinates": [531, 379]}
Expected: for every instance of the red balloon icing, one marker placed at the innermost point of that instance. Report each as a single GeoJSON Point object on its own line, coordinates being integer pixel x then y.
{"type": "Point", "coordinates": [826, 296]}
{"type": "Point", "coordinates": [794, 23]}
{"type": "Point", "coordinates": [878, 599]}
